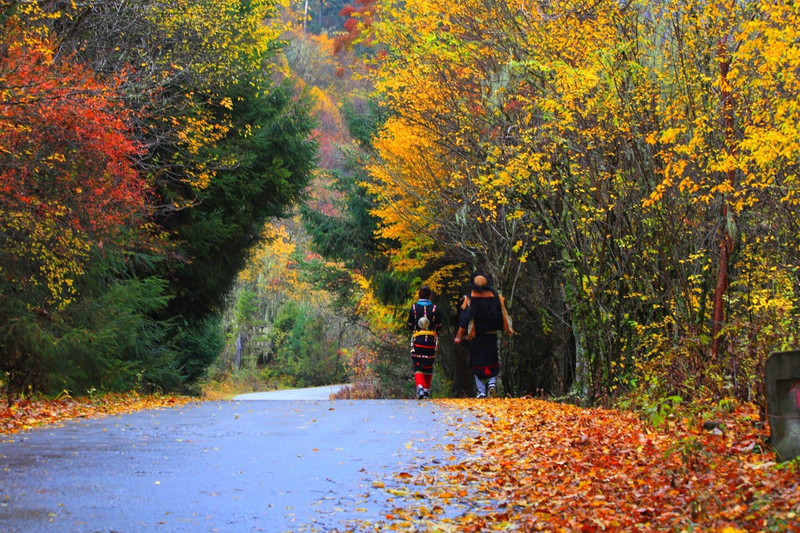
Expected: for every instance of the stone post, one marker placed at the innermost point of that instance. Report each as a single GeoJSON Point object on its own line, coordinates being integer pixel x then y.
{"type": "Point", "coordinates": [783, 403]}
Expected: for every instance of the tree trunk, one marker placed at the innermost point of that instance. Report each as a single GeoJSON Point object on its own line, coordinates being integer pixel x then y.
{"type": "Point", "coordinates": [238, 360]}
{"type": "Point", "coordinates": [726, 239]}
{"type": "Point", "coordinates": [725, 248]}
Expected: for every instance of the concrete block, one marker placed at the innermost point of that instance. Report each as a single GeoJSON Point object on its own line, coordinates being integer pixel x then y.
{"type": "Point", "coordinates": [783, 402]}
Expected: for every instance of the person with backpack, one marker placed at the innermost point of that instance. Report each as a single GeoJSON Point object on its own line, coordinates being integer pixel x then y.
{"type": "Point", "coordinates": [481, 321]}
{"type": "Point", "coordinates": [424, 322]}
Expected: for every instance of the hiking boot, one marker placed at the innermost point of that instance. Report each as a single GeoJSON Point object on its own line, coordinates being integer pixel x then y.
{"type": "Point", "coordinates": [492, 391]}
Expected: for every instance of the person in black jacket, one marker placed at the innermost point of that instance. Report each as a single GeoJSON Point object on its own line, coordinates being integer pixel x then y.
{"type": "Point", "coordinates": [424, 322]}
{"type": "Point", "coordinates": [481, 322]}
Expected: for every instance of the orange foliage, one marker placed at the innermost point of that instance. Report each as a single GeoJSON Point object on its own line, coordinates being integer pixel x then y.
{"type": "Point", "coordinates": [532, 465]}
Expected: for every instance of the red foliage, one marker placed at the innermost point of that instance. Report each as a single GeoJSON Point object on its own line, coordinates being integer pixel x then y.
{"type": "Point", "coordinates": [64, 152]}
{"type": "Point", "coordinates": [358, 20]}
{"type": "Point", "coordinates": [351, 25]}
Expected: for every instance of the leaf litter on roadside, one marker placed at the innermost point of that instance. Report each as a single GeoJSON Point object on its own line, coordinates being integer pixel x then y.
{"type": "Point", "coordinates": [532, 465]}
{"type": "Point", "coordinates": [25, 414]}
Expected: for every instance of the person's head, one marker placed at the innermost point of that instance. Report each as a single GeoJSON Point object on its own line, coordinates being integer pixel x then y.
{"type": "Point", "coordinates": [480, 282]}
{"type": "Point", "coordinates": [425, 292]}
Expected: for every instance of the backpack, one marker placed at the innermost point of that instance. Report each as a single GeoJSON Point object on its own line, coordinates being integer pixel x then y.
{"type": "Point", "coordinates": [424, 340]}
{"type": "Point", "coordinates": [507, 322]}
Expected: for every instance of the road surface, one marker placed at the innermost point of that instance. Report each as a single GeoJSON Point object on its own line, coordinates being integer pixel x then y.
{"type": "Point", "coordinates": [236, 466]}
{"type": "Point", "coordinates": [312, 393]}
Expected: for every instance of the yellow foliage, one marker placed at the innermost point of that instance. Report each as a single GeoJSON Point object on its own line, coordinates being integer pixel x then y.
{"type": "Point", "coordinates": [326, 111]}
{"type": "Point", "coordinates": [272, 265]}
{"type": "Point", "coordinates": [605, 133]}
{"type": "Point", "coordinates": [381, 317]}
{"type": "Point", "coordinates": [413, 186]}
{"type": "Point", "coordinates": [226, 40]}
{"type": "Point", "coordinates": [442, 278]}
{"type": "Point", "coordinates": [44, 253]}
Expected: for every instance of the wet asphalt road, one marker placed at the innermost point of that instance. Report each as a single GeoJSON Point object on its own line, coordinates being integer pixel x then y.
{"type": "Point", "coordinates": [237, 466]}
{"type": "Point", "coordinates": [312, 393]}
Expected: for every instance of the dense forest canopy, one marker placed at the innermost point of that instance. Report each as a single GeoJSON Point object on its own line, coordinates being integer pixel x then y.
{"type": "Point", "coordinates": [143, 146]}
{"type": "Point", "coordinates": [626, 173]}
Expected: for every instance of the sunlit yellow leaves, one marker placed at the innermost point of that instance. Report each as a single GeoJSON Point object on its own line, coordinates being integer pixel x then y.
{"type": "Point", "coordinates": [221, 28]}
{"type": "Point", "coordinates": [273, 266]}
{"type": "Point", "coordinates": [669, 135]}
{"type": "Point", "coordinates": [56, 251]}
{"type": "Point", "coordinates": [212, 46]}
{"type": "Point", "coordinates": [438, 281]}
{"type": "Point", "coordinates": [196, 134]}
{"type": "Point", "coordinates": [381, 317]}
{"type": "Point", "coordinates": [413, 186]}
{"type": "Point", "coordinates": [326, 112]}
{"type": "Point", "coordinates": [766, 109]}
{"type": "Point", "coordinates": [615, 133]}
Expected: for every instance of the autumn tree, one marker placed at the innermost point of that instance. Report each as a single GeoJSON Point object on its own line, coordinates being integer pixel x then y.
{"type": "Point", "coordinates": [222, 140]}
{"type": "Point", "coordinates": [718, 162]}
{"type": "Point", "coordinates": [66, 175]}
{"type": "Point", "coordinates": [358, 20]}
{"type": "Point", "coordinates": [69, 188]}
{"type": "Point", "coordinates": [227, 145]}
{"type": "Point", "coordinates": [602, 157]}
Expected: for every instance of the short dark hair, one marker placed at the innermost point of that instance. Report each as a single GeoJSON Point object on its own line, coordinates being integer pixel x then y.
{"type": "Point", "coordinates": [425, 292]}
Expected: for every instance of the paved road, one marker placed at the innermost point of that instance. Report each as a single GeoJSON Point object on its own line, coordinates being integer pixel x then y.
{"type": "Point", "coordinates": [311, 393]}
{"type": "Point", "coordinates": [235, 466]}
